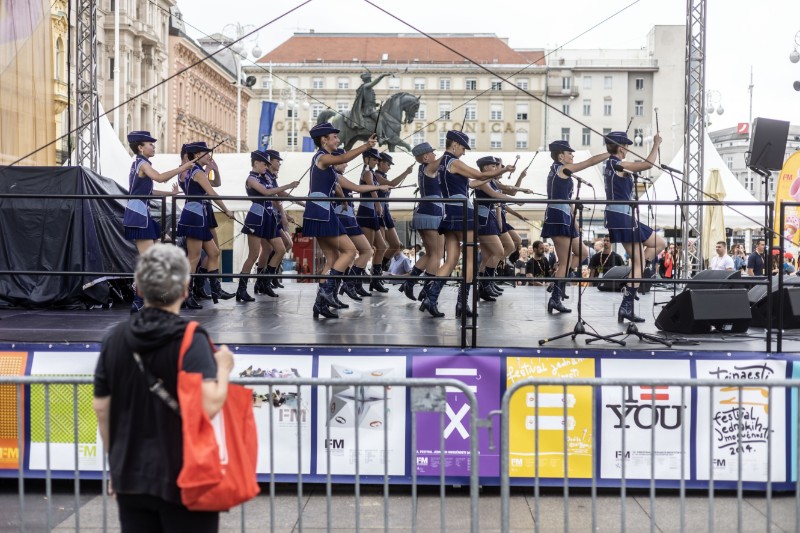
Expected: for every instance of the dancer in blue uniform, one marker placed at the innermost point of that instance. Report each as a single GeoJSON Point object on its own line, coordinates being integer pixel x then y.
{"type": "Point", "coordinates": [139, 224]}
{"type": "Point", "coordinates": [347, 215]}
{"type": "Point", "coordinates": [455, 178]}
{"type": "Point", "coordinates": [489, 230]}
{"type": "Point", "coordinates": [194, 224]}
{"type": "Point", "coordinates": [640, 241]}
{"type": "Point", "coordinates": [508, 235]}
{"type": "Point", "coordinates": [560, 222]}
{"type": "Point", "coordinates": [382, 257]}
{"type": "Point", "coordinates": [319, 218]}
{"type": "Point", "coordinates": [427, 218]}
{"type": "Point", "coordinates": [369, 216]}
{"type": "Point", "coordinates": [262, 221]}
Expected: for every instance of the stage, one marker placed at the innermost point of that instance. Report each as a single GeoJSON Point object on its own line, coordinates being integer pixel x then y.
{"type": "Point", "coordinates": [518, 319]}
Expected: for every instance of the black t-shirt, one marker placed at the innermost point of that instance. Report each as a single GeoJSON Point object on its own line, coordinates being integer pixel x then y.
{"type": "Point", "coordinates": [145, 440]}
{"type": "Point", "coordinates": [603, 262]}
{"type": "Point", "coordinates": [755, 261]}
{"type": "Point", "coordinates": [538, 268]}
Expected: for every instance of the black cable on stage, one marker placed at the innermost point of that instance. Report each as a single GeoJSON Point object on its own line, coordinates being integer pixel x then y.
{"type": "Point", "coordinates": [165, 80]}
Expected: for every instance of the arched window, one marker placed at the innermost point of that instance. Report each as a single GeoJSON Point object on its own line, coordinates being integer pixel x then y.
{"type": "Point", "coordinates": [59, 59]}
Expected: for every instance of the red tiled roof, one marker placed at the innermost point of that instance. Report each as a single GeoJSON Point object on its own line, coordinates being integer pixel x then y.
{"type": "Point", "coordinates": [370, 48]}
{"type": "Point", "coordinates": [533, 56]}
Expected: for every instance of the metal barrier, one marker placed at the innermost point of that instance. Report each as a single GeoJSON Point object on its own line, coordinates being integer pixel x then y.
{"type": "Point", "coordinates": [343, 398]}
{"type": "Point", "coordinates": [559, 393]}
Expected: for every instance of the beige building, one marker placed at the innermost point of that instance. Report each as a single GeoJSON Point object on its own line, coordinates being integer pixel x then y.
{"type": "Point", "coordinates": [60, 31]}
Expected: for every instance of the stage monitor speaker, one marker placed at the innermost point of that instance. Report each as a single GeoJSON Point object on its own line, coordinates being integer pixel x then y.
{"type": "Point", "coordinates": [757, 297]}
{"type": "Point", "coordinates": [617, 277]}
{"type": "Point", "coordinates": [714, 274]}
{"type": "Point", "coordinates": [700, 310]}
{"type": "Point", "coordinates": [768, 143]}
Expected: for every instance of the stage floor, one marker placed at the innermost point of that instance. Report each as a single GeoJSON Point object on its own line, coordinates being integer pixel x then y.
{"type": "Point", "coordinates": [518, 319]}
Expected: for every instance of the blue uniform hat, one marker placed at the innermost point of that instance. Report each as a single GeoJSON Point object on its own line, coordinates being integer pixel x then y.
{"type": "Point", "coordinates": [259, 155]}
{"type": "Point", "coordinates": [338, 151]}
{"type": "Point", "coordinates": [140, 137]}
{"type": "Point", "coordinates": [459, 137]}
{"type": "Point", "coordinates": [195, 147]}
{"type": "Point", "coordinates": [618, 137]}
{"type": "Point", "coordinates": [274, 154]}
{"type": "Point", "coordinates": [321, 130]}
{"type": "Point", "coordinates": [560, 146]}
{"type": "Point", "coordinates": [421, 149]}
{"type": "Point", "coordinates": [486, 160]}
{"type": "Point", "coordinates": [383, 156]}
{"type": "Point", "coordinates": [371, 152]}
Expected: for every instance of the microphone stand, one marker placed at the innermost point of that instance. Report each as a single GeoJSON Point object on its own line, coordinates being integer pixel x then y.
{"type": "Point", "coordinates": [675, 228]}
{"type": "Point", "coordinates": [580, 325]}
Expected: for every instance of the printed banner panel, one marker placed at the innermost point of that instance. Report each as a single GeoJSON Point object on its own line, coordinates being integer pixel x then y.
{"type": "Point", "coordinates": [289, 408]}
{"type": "Point", "coordinates": [559, 410]}
{"type": "Point", "coordinates": [652, 418]}
{"type": "Point", "coordinates": [348, 408]}
{"type": "Point", "coordinates": [482, 375]}
{"type": "Point", "coordinates": [737, 425]}
{"type": "Point", "coordinates": [11, 364]}
{"type": "Point", "coordinates": [61, 404]}
{"type": "Point", "coordinates": [787, 189]}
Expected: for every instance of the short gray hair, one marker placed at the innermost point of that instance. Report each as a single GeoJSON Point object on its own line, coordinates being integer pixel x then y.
{"type": "Point", "coordinates": [161, 274]}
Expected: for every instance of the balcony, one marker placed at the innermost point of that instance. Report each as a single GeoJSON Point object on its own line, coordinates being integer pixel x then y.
{"type": "Point", "coordinates": [559, 91]}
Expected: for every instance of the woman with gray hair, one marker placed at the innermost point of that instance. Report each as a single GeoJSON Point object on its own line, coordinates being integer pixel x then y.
{"type": "Point", "coordinates": [140, 432]}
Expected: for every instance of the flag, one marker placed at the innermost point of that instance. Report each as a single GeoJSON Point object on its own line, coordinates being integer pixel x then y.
{"type": "Point", "coordinates": [265, 123]}
{"type": "Point", "coordinates": [308, 145]}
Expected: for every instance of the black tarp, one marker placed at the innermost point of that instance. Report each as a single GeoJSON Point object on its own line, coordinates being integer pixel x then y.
{"type": "Point", "coordinates": [60, 234]}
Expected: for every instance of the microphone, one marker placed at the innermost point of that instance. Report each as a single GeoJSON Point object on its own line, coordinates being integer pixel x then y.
{"type": "Point", "coordinates": [670, 169]}
{"type": "Point", "coordinates": [619, 168]}
{"type": "Point", "coordinates": [570, 174]}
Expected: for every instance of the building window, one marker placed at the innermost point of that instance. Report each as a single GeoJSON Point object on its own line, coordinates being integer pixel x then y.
{"type": "Point", "coordinates": [317, 83]}
{"type": "Point", "coordinates": [587, 108]}
{"type": "Point", "coordinates": [442, 139]}
{"type": "Point", "coordinates": [420, 115]}
{"type": "Point", "coordinates": [316, 109]}
{"type": "Point", "coordinates": [607, 107]}
{"type": "Point", "coordinates": [444, 84]}
{"type": "Point", "coordinates": [471, 112]}
{"type": "Point", "coordinates": [565, 134]}
{"type": "Point", "coordinates": [608, 82]}
{"type": "Point", "coordinates": [394, 83]}
{"type": "Point", "coordinates": [565, 109]}
{"type": "Point", "coordinates": [606, 131]}
{"type": "Point", "coordinates": [291, 112]}
{"type": "Point", "coordinates": [638, 136]}
{"type": "Point", "coordinates": [266, 82]}
{"type": "Point", "coordinates": [638, 108]}
{"type": "Point", "coordinates": [496, 112]}
{"type": "Point", "coordinates": [587, 82]}
{"type": "Point", "coordinates": [291, 138]}
{"type": "Point", "coordinates": [472, 142]}
{"type": "Point", "coordinates": [496, 85]}
{"type": "Point", "coordinates": [58, 65]}
{"type": "Point", "coordinates": [418, 138]}
{"type": "Point", "coordinates": [419, 84]}
{"type": "Point", "coordinates": [342, 107]}
{"type": "Point", "coordinates": [444, 111]}
{"type": "Point", "coordinates": [495, 141]}
{"type": "Point", "coordinates": [471, 84]}
{"type": "Point", "coordinates": [748, 182]}
{"type": "Point", "coordinates": [343, 83]}
{"type": "Point", "coordinates": [521, 139]}
{"type": "Point", "coordinates": [566, 83]}
{"type": "Point", "coordinates": [729, 161]}
{"type": "Point", "coordinates": [522, 111]}
{"type": "Point", "coordinates": [523, 83]}
{"type": "Point", "coordinates": [639, 84]}
{"type": "Point", "coordinates": [586, 136]}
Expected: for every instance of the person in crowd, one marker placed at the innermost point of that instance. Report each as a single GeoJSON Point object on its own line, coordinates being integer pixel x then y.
{"type": "Point", "coordinates": [667, 262]}
{"type": "Point", "coordinates": [756, 261]}
{"type": "Point", "coordinates": [605, 260]}
{"type": "Point", "coordinates": [721, 261]}
{"type": "Point", "coordinates": [739, 257]}
{"type": "Point", "coordinates": [140, 432]}
{"type": "Point", "coordinates": [538, 265]}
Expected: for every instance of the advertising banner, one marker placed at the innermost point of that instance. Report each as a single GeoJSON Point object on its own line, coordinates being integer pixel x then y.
{"type": "Point", "coordinates": [787, 189]}
{"type": "Point", "coordinates": [351, 413]}
{"type": "Point", "coordinates": [738, 424]}
{"type": "Point", "coordinates": [559, 410]}
{"type": "Point", "coordinates": [652, 418]}
{"type": "Point", "coordinates": [482, 375]}
{"type": "Point", "coordinates": [289, 408]}
{"type": "Point", "coordinates": [11, 364]}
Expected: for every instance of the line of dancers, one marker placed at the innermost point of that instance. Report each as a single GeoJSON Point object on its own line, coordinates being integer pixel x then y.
{"type": "Point", "coordinates": [350, 238]}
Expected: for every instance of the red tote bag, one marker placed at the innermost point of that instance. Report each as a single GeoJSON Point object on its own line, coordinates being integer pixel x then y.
{"type": "Point", "coordinates": [219, 455]}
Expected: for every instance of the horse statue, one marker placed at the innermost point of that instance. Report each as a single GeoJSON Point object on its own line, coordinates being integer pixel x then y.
{"type": "Point", "coordinates": [399, 109]}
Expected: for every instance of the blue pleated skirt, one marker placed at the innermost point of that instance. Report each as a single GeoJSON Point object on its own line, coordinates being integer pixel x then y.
{"type": "Point", "coordinates": [151, 232]}
{"type": "Point", "coordinates": [322, 228]}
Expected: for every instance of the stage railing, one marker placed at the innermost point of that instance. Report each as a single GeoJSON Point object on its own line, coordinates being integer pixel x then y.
{"type": "Point", "coordinates": [468, 326]}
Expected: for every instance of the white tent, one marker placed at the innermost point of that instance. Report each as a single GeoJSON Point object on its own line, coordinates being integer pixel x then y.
{"type": "Point", "coordinates": [736, 217]}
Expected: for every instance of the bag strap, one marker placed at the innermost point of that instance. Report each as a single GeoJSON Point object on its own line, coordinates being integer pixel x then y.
{"type": "Point", "coordinates": [188, 337]}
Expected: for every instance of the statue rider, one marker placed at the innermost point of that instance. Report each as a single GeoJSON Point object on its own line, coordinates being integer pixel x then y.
{"type": "Point", "coordinates": [365, 109]}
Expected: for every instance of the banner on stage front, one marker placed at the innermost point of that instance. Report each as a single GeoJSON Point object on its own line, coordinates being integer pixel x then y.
{"type": "Point", "coordinates": [11, 398]}
{"type": "Point", "coordinates": [550, 410]}
{"type": "Point", "coordinates": [373, 415]}
{"type": "Point", "coordinates": [741, 421]}
{"type": "Point", "coordinates": [653, 418]}
{"type": "Point", "coordinates": [287, 407]}
{"type": "Point", "coordinates": [482, 375]}
{"type": "Point", "coordinates": [788, 190]}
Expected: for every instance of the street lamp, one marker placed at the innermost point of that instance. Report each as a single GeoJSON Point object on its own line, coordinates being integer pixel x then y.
{"type": "Point", "coordinates": [713, 103]}
{"type": "Point", "coordinates": [289, 99]}
{"type": "Point", "coordinates": [236, 32]}
{"type": "Point", "coordinates": [794, 57]}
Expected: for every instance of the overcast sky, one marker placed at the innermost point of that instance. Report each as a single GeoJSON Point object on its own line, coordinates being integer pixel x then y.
{"type": "Point", "coordinates": [740, 33]}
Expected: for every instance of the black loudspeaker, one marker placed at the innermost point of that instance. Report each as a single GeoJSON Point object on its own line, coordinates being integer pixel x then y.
{"type": "Point", "coordinates": [757, 297]}
{"type": "Point", "coordinates": [714, 274]}
{"type": "Point", "coordinates": [614, 279]}
{"type": "Point", "coordinates": [768, 144]}
{"type": "Point", "coordinates": [698, 311]}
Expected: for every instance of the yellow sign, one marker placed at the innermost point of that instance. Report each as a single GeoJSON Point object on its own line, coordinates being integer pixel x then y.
{"type": "Point", "coordinates": [11, 364]}
{"type": "Point", "coordinates": [788, 190]}
{"type": "Point", "coordinates": [559, 409]}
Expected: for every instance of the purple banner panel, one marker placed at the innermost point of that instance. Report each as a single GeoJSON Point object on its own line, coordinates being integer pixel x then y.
{"type": "Point", "coordinates": [482, 375]}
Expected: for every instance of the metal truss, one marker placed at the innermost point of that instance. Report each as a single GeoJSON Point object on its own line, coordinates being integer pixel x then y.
{"type": "Point", "coordinates": [87, 135]}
